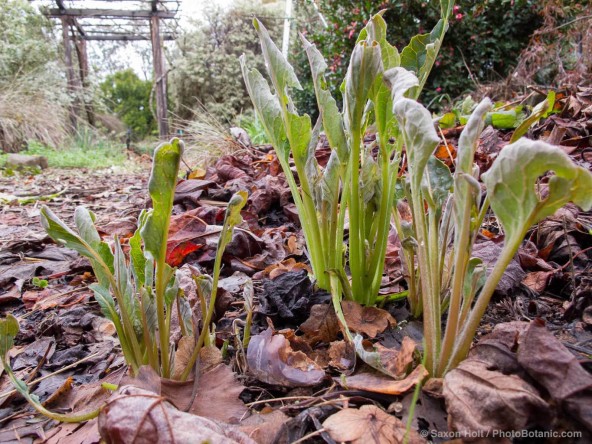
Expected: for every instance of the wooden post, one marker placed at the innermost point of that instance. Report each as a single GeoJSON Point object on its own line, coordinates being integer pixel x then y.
{"type": "Point", "coordinates": [159, 78]}
{"type": "Point", "coordinates": [83, 69]}
{"type": "Point", "coordinates": [72, 84]}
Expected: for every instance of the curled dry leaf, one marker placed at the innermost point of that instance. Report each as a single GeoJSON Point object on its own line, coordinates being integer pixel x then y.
{"type": "Point", "coordinates": [378, 383]}
{"type": "Point", "coordinates": [367, 320]}
{"type": "Point", "coordinates": [265, 427]}
{"type": "Point", "coordinates": [552, 365]}
{"type": "Point", "coordinates": [481, 399]}
{"type": "Point", "coordinates": [391, 362]}
{"type": "Point", "coordinates": [368, 424]}
{"type": "Point", "coordinates": [142, 417]}
{"type": "Point", "coordinates": [272, 360]}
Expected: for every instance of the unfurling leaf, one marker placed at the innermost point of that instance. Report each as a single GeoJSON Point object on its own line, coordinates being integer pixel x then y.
{"type": "Point", "coordinates": [165, 168]}
{"type": "Point", "coordinates": [511, 185]}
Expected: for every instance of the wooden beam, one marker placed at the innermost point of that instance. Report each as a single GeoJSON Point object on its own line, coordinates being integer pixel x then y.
{"type": "Point", "coordinates": [159, 78]}
{"type": "Point", "coordinates": [83, 70]}
{"type": "Point", "coordinates": [72, 80]}
{"type": "Point", "coordinates": [108, 13]}
{"type": "Point", "coordinates": [124, 37]}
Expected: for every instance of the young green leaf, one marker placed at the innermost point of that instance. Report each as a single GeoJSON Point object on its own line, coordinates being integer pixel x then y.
{"type": "Point", "coordinates": [165, 169]}
{"type": "Point", "coordinates": [538, 112]}
{"type": "Point", "coordinates": [511, 185]}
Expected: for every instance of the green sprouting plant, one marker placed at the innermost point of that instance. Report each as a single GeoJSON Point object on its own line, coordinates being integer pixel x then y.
{"type": "Point", "coordinates": [139, 298]}
{"type": "Point", "coordinates": [449, 278]}
{"type": "Point", "coordinates": [353, 179]}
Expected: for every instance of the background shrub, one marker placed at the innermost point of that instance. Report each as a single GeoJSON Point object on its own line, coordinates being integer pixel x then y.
{"type": "Point", "coordinates": [483, 43]}
{"type": "Point", "coordinates": [126, 95]}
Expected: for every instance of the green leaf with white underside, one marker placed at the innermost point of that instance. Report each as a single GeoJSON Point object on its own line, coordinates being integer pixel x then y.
{"type": "Point", "coordinates": [186, 313]}
{"type": "Point", "coordinates": [511, 185]}
{"type": "Point", "coordinates": [421, 139]}
{"type": "Point", "coordinates": [172, 290]}
{"type": "Point", "coordinates": [165, 169]}
{"type": "Point", "coordinates": [100, 255]}
{"type": "Point", "coordinates": [267, 107]}
{"type": "Point", "coordinates": [281, 72]}
{"type": "Point", "coordinates": [332, 120]}
{"type": "Point", "coordinates": [400, 80]}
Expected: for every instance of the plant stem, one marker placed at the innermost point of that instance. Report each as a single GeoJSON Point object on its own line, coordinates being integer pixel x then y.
{"type": "Point", "coordinates": [355, 242]}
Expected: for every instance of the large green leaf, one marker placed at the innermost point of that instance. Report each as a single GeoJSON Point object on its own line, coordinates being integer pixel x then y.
{"type": "Point", "coordinates": [446, 8]}
{"type": "Point", "coordinates": [419, 135]}
{"type": "Point", "coordinates": [281, 72]}
{"type": "Point", "coordinates": [300, 136]}
{"type": "Point", "coordinates": [364, 66]}
{"type": "Point", "coordinates": [268, 109]}
{"type": "Point", "coordinates": [106, 302]}
{"type": "Point", "coordinates": [511, 185]}
{"type": "Point", "coordinates": [420, 55]}
{"type": "Point", "coordinates": [165, 169]}
{"type": "Point", "coordinates": [332, 120]}
{"type": "Point", "coordinates": [137, 258]}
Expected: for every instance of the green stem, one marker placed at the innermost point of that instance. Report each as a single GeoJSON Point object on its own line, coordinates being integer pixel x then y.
{"type": "Point", "coordinates": [465, 338]}
{"type": "Point", "coordinates": [356, 252]}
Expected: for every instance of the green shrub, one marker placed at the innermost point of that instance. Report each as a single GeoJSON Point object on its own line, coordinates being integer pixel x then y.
{"type": "Point", "coordinates": [126, 95]}
{"type": "Point", "coordinates": [205, 74]}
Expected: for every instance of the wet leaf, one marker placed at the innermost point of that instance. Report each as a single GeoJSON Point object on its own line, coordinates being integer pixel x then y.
{"type": "Point", "coordinates": [272, 360]}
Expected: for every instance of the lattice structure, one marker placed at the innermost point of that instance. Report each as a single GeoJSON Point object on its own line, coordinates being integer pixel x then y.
{"type": "Point", "coordinates": [114, 20]}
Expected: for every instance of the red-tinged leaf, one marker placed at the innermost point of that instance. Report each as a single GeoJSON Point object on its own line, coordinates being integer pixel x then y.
{"type": "Point", "coordinates": [176, 253]}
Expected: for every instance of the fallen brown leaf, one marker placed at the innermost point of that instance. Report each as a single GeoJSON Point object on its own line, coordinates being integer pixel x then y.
{"type": "Point", "coordinates": [378, 383]}
{"type": "Point", "coordinates": [367, 320]}
{"type": "Point", "coordinates": [484, 400]}
{"type": "Point", "coordinates": [322, 324]}
{"type": "Point", "coordinates": [553, 366]}
{"type": "Point", "coordinates": [142, 417]}
{"type": "Point", "coordinates": [368, 424]}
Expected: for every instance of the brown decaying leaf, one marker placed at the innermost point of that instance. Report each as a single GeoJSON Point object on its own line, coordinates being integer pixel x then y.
{"type": "Point", "coordinates": [342, 356]}
{"type": "Point", "coordinates": [367, 320]}
{"type": "Point", "coordinates": [368, 424]}
{"type": "Point", "coordinates": [552, 365]}
{"type": "Point", "coordinates": [538, 280]}
{"type": "Point", "coordinates": [322, 324]}
{"type": "Point", "coordinates": [272, 360]}
{"type": "Point", "coordinates": [142, 417]}
{"type": "Point", "coordinates": [379, 383]}
{"type": "Point", "coordinates": [216, 381]}
{"type": "Point", "coordinates": [484, 400]}
{"type": "Point", "coordinates": [264, 427]}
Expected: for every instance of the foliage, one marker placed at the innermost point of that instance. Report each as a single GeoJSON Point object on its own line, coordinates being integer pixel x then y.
{"type": "Point", "coordinates": [129, 97]}
{"type": "Point", "coordinates": [352, 178]}
{"type": "Point", "coordinates": [25, 40]}
{"type": "Point", "coordinates": [139, 295]}
{"type": "Point", "coordinates": [203, 75]}
{"type": "Point", "coordinates": [485, 37]}
{"type": "Point", "coordinates": [452, 278]}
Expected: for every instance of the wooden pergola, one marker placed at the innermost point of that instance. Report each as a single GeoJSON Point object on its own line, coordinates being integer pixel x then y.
{"type": "Point", "coordinates": [115, 20]}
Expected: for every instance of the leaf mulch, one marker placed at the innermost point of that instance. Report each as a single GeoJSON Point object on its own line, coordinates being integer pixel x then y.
{"type": "Point", "coordinates": [298, 380]}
